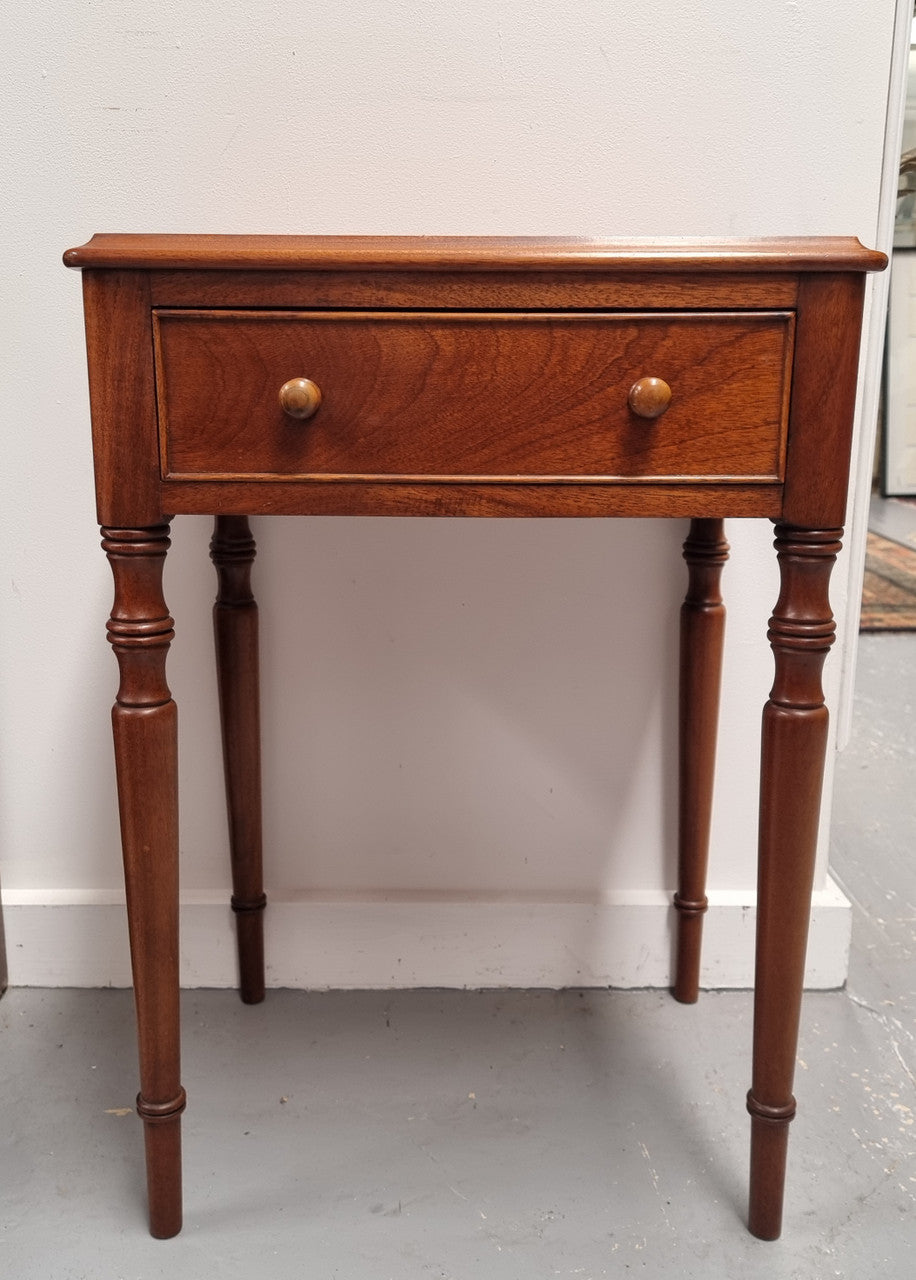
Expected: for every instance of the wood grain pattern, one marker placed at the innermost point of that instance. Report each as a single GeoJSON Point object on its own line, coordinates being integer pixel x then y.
{"type": "Point", "coordinates": [472, 395]}
{"type": "Point", "coordinates": [122, 397]}
{"type": "Point", "coordinates": [551, 499]}
{"type": "Point", "coordinates": [823, 399]}
{"type": "Point", "coordinates": [678, 288]}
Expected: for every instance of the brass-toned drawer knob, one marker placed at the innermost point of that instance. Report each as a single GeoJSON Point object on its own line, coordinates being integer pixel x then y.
{"type": "Point", "coordinates": [649, 397]}
{"type": "Point", "coordinates": [300, 397]}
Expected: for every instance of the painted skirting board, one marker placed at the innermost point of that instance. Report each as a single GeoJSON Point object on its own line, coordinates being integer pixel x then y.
{"type": "Point", "coordinates": [319, 942]}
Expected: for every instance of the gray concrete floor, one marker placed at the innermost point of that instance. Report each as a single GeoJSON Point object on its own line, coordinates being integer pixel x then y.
{"type": "Point", "coordinates": [893, 518]}
{"type": "Point", "coordinates": [497, 1135]}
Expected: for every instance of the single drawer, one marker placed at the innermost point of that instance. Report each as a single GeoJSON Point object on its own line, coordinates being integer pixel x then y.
{"type": "Point", "coordinates": [473, 396]}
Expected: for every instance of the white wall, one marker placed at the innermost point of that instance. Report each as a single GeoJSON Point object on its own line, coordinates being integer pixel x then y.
{"type": "Point", "coordinates": [898, 460]}
{"type": "Point", "coordinates": [469, 726]}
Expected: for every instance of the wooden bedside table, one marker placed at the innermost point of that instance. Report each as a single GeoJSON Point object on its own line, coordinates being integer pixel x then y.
{"type": "Point", "coordinates": [240, 375]}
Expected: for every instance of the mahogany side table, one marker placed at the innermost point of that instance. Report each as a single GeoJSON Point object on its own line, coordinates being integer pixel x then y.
{"type": "Point", "coordinates": [240, 375]}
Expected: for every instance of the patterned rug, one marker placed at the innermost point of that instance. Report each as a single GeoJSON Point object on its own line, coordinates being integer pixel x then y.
{"type": "Point", "coordinates": [889, 594]}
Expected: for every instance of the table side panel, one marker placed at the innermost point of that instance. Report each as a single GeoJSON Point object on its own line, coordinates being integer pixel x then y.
{"type": "Point", "coordinates": [824, 384]}
{"type": "Point", "coordinates": [520, 499]}
{"type": "Point", "coordinates": [473, 290]}
{"type": "Point", "coordinates": [122, 397]}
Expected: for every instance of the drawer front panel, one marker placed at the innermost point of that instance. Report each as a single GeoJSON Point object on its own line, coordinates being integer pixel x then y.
{"type": "Point", "coordinates": [473, 396]}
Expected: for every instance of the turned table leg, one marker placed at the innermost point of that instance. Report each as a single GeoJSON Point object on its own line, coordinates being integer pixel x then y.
{"type": "Point", "coordinates": [702, 634]}
{"type": "Point", "coordinates": [792, 765]}
{"type": "Point", "coordinates": [144, 721]}
{"type": "Point", "coordinates": [235, 629]}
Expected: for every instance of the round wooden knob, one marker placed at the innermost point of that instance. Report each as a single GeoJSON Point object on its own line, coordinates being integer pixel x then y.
{"type": "Point", "coordinates": [649, 397]}
{"type": "Point", "coordinates": [300, 397]}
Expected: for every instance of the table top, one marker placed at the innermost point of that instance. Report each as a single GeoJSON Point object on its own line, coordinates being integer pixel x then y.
{"type": "Point", "coordinates": [503, 253]}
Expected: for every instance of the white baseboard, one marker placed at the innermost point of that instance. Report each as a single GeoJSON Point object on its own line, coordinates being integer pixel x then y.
{"type": "Point", "coordinates": [319, 942]}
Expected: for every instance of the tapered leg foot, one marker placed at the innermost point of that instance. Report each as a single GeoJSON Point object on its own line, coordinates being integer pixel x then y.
{"type": "Point", "coordinates": [769, 1151]}
{"type": "Point", "coordinates": [162, 1131]}
{"type": "Point", "coordinates": [249, 925]}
